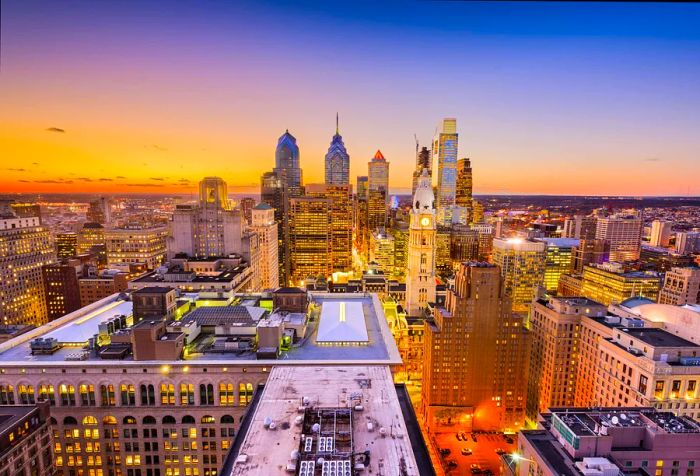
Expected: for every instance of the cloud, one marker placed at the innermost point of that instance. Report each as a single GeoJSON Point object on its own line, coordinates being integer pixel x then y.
{"type": "Point", "coordinates": [56, 129]}
{"type": "Point", "coordinates": [25, 181]}
{"type": "Point", "coordinates": [158, 179]}
{"type": "Point", "coordinates": [54, 181]}
{"type": "Point", "coordinates": [106, 180]}
{"type": "Point", "coordinates": [120, 177]}
{"type": "Point", "coordinates": [184, 180]}
{"type": "Point", "coordinates": [653, 159]}
{"type": "Point", "coordinates": [16, 170]}
{"type": "Point", "coordinates": [144, 185]}
{"type": "Point", "coordinates": [157, 147]}
{"type": "Point", "coordinates": [35, 163]}
{"type": "Point", "coordinates": [85, 179]}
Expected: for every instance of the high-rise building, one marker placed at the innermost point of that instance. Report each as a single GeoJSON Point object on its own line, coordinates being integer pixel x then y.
{"type": "Point", "coordinates": [400, 233]}
{"type": "Point", "coordinates": [99, 211]}
{"type": "Point", "coordinates": [476, 354]}
{"type": "Point", "coordinates": [660, 233]}
{"type": "Point", "coordinates": [559, 259]}
{"type": "Point", "coordinates": [287, 163]}
{"type": "Point", "coordinates": [463, 198]}
{"type": "Point", "coordinates": [522, 264]}
{"type": "Point", "coordinates": [361, 214]}
{"type": "Point", "coordinates": [376, 209]}
{"type": "Point", "coordinates": [609, 282]}
{"type": "Point", "coordinates": [464, 244]}
{"type": "Point", "coordinates": [687, 242]}
{"type": "Point", "coordinates": [381, 250]}
{"type": "Point", "coordinates": [420, 270]}
{"type": "Point", "coordinates": [423, 161]}
{"type": "Point", "coordinates": [209, 228]}
{"type": "Point", "coordinates": [310, 238]}
{"type": "Point", "coordinates": [61, 287]}
{"type": "Point", "coordinates": [337, 160]}
{"type": "Point", "coordinates": [137, 245]}
{"type": "Point", "coordinates": [580, 227]}
{"type": "Point", "coordinates": [445, 145]}
{"type": "Point", "coordinates": [624, 235]}
{"type": "Point", "coordinates": [264, 225]}
{"type": "Point", "coordinates": [27, 446]}
{"type": "Point", "coordinates": [681, 286]}
{"type": "Point", "coordinates": [66, 245]}
{"type": "Point", "coordinates": [378, 175]}
{"type": "Point", "coordinates": [247, 205]}
{"type": "Point", "coordinates": [443, 257]}
{"type": "Point", "coordinates": [340, 200]}
{"type": "Point", "coordinates": [25, 246]}
{"type": "Point", "coordinates": [478, 212]}
{"type": "Point", "coordinates": [91, 240]}
{"type": "Point", "coordinates": [589, 251]}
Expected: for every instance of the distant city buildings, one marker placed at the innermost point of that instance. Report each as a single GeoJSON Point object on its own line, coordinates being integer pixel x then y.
{"type": "Point", "coordinates": [137, 245]}
{"type": "Point", "coordinates": [660, 233]}
{"type": "Point", "coordinates": [688, 242]}
{"type": "Point", "coordinates": [681, 286]}
{"type": "Point", "coordinates": [623, 233]}
{"type": "Point", "coordinates": [610, 282]}
{"type": "Point", "coordinates": [66, 244]}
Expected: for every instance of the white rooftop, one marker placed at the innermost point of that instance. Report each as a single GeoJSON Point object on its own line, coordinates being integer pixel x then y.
{"type": "Point", "coordinates": [342, 322]}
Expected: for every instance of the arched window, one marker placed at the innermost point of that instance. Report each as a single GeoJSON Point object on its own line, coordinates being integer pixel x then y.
{"type": "Point", "coordinates": [109, 420]}
{"type": "Point", "coordinates": [187, 419]}
{"type": "Point", "coordinates": [167, 394]}
{"type": "Point", "coordinates": [7, 395]}
{"type": "Point", "coordinates": [129, 420]}
{"type": "Point", "coordinates": [53, 421]}
{"type": "Point", "coordinates": [169, 420]}
{"type": "Point", "coordinates": [206, 394]}
{"type": "Point", "coordinates": [227, 395]}
{"type": "Point", "coordinates": [107, 395]}
{"type": "Point", "coordinates": [128, 395]}
{"type": "Point", "coordinates": [67, 395]}
{"type": "Point", "coordinates": [245, 393]}
{"type": "Point", "coordinates": [186, 394]}
{"type": "Point", "coordinates": [69, 420]}
{"type": "Point", "coordinates": [149, 420]}
{"type": "Point", "coordinates": [47, 392]}
{"type": "Point", "coordinates": [87, 395]}
{"type": "Point", "coordinates": [227, 419]}
{"type": "Point", "coordinates": [208, 419]}
{"type": "Point", "coordinates": [148, 395]}
{"type": "Point", "coordinates": [26, 394]}
{"type": "Point", "coordinates": [89, 421]}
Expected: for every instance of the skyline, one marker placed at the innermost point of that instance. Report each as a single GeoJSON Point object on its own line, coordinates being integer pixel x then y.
{"type": "Point", "coordinates": [165, 97]}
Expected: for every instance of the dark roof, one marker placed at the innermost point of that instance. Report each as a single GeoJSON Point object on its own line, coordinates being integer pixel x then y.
{"type": "Point", "coordinates": [289, 290]}
{"type": "Point", "coordinates": [92, 225]}
{"type": "Point", "coordinates": [220, 315]}
{"type": "Point", "coordinates": [659, 337]}
{"type": "Point", "coordinates": [544, 444]}
{"type": "Point", "coordinates": [153, 290]}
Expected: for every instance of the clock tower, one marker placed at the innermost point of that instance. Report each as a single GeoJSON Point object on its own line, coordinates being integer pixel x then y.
{"type": "Point", "coordinates": [420, 274]}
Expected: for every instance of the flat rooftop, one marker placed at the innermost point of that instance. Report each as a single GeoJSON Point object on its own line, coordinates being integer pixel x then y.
{"type": "Point", "coordinates": [659, 337]}
{"type": "Point", "coordinates": [77, 327]}
{"type": "Point", "coordinates": [268, 452]}
{"type": "Point", "coordinates": [585, 422]}
{"type": "Point", "coordinates": [223, 276]}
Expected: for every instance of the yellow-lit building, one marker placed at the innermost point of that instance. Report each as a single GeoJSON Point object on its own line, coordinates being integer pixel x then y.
{"type": "Point", "coordinates": [558, 261]}
{"type": "Point", "coordinates": [522, 265]}
{"type": "Point", "coordinates": [137, 245]}
{"type": "Point", "coordinates": [400, 233]}
{"type": "Point", "coordinates": [443, 260]}
{"type": "Point", "coordinates": [66, 245]}
{"type": "Point", "coordinates": [381, 250]}
{"type": "Point", "coordinates": [91, 239]}
{"type": "Point", "coordinates": [310, 237]}
{"type": "Point", "coordinates": [609, 283]}
{"type": "Point", "coordinates": [340, 197]}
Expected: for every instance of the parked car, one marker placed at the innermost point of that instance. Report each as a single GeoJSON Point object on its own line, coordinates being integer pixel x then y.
{"type": "Point", "coordinates": [445, 451]}
{"type": "Point", "coordinates": [466, 451]}
{"type": "Point", "coordinates": [452, 464]}
{"type": "Point", "coordinates": [474, 438]}
{"type": "Point", "coordinates": [500, 451]}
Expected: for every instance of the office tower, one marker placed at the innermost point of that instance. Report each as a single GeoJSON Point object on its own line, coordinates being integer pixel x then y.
{"type": "Point", "coordinates": [66, 245]}
{"type": "Point", "coordinates": [681, 286]}
{"type": "Point", "coordinates": [420, 270]}
{"type": "Point", "coordinates": [247, 205]}
{"type": "Point", "coordinates": [443, 258]}
{"type": "Point", "coordinates": [378, 169]}
{"type": "Point", "coordinates": [660, 233]}
{"type": "Point", "coordinates": [400, 233]}
{"type": "Point", "coordinates": [423, 161]}
{"type": "Point", "coordinates": [555, 327]}
{"type": "Point", "coordinates": [475, 355]}
{"type": "Point", "coordinates": [287, 163]}
{"type": "Point", "coordinates": [273, 191]}
{"type": "Point", "coordinates": [337, 160]}
{"type": "Point", "coordinates": [570, 441]}
{"type": "Point", "coordinates": [61, 287]}
{"type": "Point", "coordinates": [27, 448]}
{"type": "Point", "coordinates": [145, 245]}
{"type": "Point", "coordinates": [445, 144]}
{"type": "Point", "coordinates": [580, 227]}
{"type": "Point", "coordinates": [310, 238]}
{"type": "Point", "coordinates": [589, 251]}
{"type": "Point", "coordinates": [25, 246]}
{"type": "Point", "coordinates": [687, 242]}
{"type": "Point", "coordinates": [361, 216]}
{"type": "Point", "coordinates": [94, 286]}
{"type": "Point", "coordinates": [478, 212]}
{"type": "Point", "coordinates": [609, 282]}
{"type": "Point", "coordinates": [25, 210]}
{"type": "Point", "coordinates": [464, 244]}
{"type": "Point", "coordinates": [264, 225]}
{"type": "Point", "coordinates": [340, 202]}
{"type": "Point", "coordinates": [99, 211]}
{"type": "Point", "coordinates": [463, 197]}
{"type": "Point", "coordinates": [376, 209]}
{"type": "Point", "coordinates": [522, 265]}
{"type": "Point", "coordinates": [624, 235]}
{"type": "Point", "coordinates": [91, 239]}
{"type": "Point", "coordinates": [381, 250]}
{"type": "Point", "coordinates": [362, 186]}
{"type": "Point", "coordinates": [654, 258]}
{"type": "Point", "coordinates": [209, 228]}
{"type": "Point", "coordinates": [559, 259]}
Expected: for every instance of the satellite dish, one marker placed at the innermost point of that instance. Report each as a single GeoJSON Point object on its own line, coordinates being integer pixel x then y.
{"type": "Point", "coordinates": [623, 416]}
{"type": "Point", "coordinates": [615, 420]}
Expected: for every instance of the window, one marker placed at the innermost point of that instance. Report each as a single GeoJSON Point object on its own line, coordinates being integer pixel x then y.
{"type": "Point", "coordinates": [47, 392]}
{"type": "Point", "coordinates": [208, 419]}
{"type": "Point", "coordinates": [26, 394]}
{"type": "Point", "coordinates": [186, 394]}
{"type": "Point", "coordinates": [643, 384]}
{"type": "Point", "coordinates": [107, 395]}
{"type": "Point", "coordinates": [245, 393]}
{"type": "Point", "coordinates": [659, 389]}
{"type": "Point", "coordinates": [67, 395]}
{"type": "Point", "coordinates": [87, 395]}
{"type": "Point", "coordinates": [7, 395]}
{"type": "Point", "coordinates": [206, 394]}
{"type": "Point", "coordinates": [227, 395]}
{"type": "Point", "coordinates": [148, 395]}
{"type": "Point", "coordinates": [167, 394]}
{"type": "Point", "coordinates": [89, 421]}
{"type": "Point", "coordinates": [128, 394]}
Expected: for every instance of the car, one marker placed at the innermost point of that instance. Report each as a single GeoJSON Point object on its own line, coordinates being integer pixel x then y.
{"type": "Point", "coordinates": [463, 435]}
{"type": "Point", "coordinates": [466, 451]}
{"type": "Point", "coordinates": [474, 438]}
{"type": "Point", "coordinates": [445, 451]}
{"type": "Point", "coordinates": [458, 435]}
{"type": "Point", "coordinates": [475, 466]}
{"type": "Point", "coordinates": [452, 464]}
{"type": "Point", "coordinates": [500, 451]}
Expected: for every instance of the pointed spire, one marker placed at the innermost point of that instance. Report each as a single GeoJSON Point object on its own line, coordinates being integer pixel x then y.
{"type": "Point", "coordinates": [336, 124]}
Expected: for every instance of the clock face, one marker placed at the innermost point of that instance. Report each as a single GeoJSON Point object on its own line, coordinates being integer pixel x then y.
{"type": "Point", "coordinates": [425, 221]}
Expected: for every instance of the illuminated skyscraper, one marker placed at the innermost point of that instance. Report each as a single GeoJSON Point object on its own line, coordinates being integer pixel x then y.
{"type": "Point", "coordinates": [361, 217]}
{"type": "Point", "coordinates": [310, 238]}
{"type": "Point", "coordinates": [610, 282]}
{"type": "Point", "coordinates": [476, 353]}
{"type": "Point", "coordinates": [445, 146]}
{"type": "Point", "coordinates": [381, 250]}
{"type": "Point", "coordinates": [66, 245]}
{"type": "Point", "coordinates": [464, 190]}
{"type": "Point", "coordinates": [522, 265]}
{"type": "Point", "coordinates": [423, 161]}
{"type": "Point", "coordinates": [623, 233]}
{"type": "Point", "coordinates": [420, 272]}
{"type": "Point", "coordinates": [337, 160]}
{"type": "Point", "coordinates": [660, 233]}
{"type": "Point", "coordinates": [25, 246]}
{"type": "Point", "coordinates": [559, 259]}
{"type": "Point", "coordinates": [379, 174]}
{"type": "Point", "coordinates": [340, 197]}
{"type": "Point", "coordinates": [145, 245]}
{"type": "Point", "coordinates": [264, 225]}
{"type": "Point", "coordinates": [287, 165]}
{"type": "Point", "coordinates": [100, 211]}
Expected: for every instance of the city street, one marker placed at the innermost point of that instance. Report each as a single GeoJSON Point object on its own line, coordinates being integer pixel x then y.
{"type": "Point", "coordinates": [483, 451]}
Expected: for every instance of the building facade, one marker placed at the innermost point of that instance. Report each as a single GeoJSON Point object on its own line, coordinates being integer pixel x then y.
{"type": "Point", "coordinates": [263, 224]}
{"type": "Point", "coordinates": [337, 160]}
{"type": "Point", "coordinates": [310, 238]}
{"type": "Point", "coordinates": [463, 197]}
{"type": "Point", "coordinates": [522, 263]}
{"type": "Point", "coordinates": [137, 245]}
{"type": "Point", "coordinates": [608, 283]}
{"type": "Point", "coordinates": [681, 286]}
{"type": "Point", "coordinates": [445, 145]}
{"type": "Point", "coordinates": [623, 233]}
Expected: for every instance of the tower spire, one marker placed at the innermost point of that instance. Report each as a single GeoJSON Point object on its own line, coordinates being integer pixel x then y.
{"type": "Point", "coordinates": [336, 124]}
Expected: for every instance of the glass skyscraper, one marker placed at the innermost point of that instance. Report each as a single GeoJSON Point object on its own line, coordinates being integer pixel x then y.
{"type": "Point", "coordinates": [445, 146]}
{"type": "Point", "coordinates": [337, 160]}
{"type": "Point", "coordinates": [287, 162]}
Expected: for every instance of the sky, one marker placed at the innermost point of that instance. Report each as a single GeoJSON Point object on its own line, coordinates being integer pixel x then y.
{"type": "Point", "coordinates": [551, 98]}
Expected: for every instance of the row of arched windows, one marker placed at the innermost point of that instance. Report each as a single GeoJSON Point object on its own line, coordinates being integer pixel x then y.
{"type": "Point", "coordinates": [145, 394]}
{"type": "Point", "coordinates": [147, 420]}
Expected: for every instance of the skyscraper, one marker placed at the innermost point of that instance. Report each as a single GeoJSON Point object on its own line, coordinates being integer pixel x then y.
{"type": "Point", "coordinates": [210, 228]}
{"type": "Point", "coordinates": [475, 355]}
{"type": "Point", "coordinates": [660, 233]}
{"type": "Point", "coordinates": [310, 238]}
{"type": "Point", "coordinates": [559, 260]}
{"type": "Point", "coordinates": [337, 160]}
{"type": "Point", "coordinates": [422, 162]}
{"type": "Point", "coordinates": [264, 225]}
{"type": "Point", "coordinates": [420, 272]}
{"type": "Point", "coordinates": [445, 144]}
{"type": "Point", "coordinates": [522, 265]}
{"type": "Point", "coordinates": [66, 244]}
{"type": "Point", "coordinates": [147, 245]}
{"type": "Point", "coordinates": [361, 216]}
{"type": "Point", "coordinates": [100, 211]}
{"type": "Point", "coordinates": [379, 174]}
{"type": "Point", "coordinates": [25, 246]}
{"type": "Point", "coordinates": [287, 165]}
{"type": "Point", "coordinates": [463, 196]}
{"type": "Point", "coordinates": [340, 200]}
{"type": "Point", "coordinates": [681, 286]}
{"type": "Point", "coordinates": [624, 234]}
